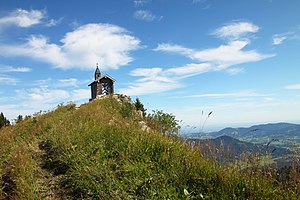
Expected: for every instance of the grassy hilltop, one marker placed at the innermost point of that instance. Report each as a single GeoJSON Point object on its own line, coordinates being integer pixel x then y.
{"type": "Point", "coordinates": [100, 151]}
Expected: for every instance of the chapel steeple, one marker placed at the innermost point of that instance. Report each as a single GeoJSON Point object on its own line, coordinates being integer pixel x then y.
{"type": "Point", "coordinates": [97, 73]}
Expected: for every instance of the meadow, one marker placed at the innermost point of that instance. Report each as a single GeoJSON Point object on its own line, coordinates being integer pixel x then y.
{"type": "Point", "coordinates": [101, 151]}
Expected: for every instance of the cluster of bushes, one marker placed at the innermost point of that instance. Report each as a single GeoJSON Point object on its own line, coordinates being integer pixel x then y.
{"type": "Point", "coordinates": [166, 123]}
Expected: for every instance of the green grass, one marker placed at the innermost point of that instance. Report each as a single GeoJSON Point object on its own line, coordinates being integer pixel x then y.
{"type": "Point", "coordinates": [102, 153]}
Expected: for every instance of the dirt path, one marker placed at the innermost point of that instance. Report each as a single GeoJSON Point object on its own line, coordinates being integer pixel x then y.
{"type": "Point", "coordinates": [49, 181]}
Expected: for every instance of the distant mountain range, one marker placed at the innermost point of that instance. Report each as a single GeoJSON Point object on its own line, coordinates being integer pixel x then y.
{"type": "Point", "coordinates": [280, 134]}
{"type": "Point", "coordinates": [278, 140]}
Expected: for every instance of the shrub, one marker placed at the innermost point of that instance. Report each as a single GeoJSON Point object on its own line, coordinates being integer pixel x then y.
{"type": "Point", "coordinates": [164, 122]}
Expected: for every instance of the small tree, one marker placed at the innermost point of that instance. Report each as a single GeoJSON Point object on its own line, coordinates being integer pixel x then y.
{"type": "Point", "coordinates": [19, 118]}
{"type": "Point", "coordinates": [139, 106]}
{"type": "Point", "coordinates": [3, 120]}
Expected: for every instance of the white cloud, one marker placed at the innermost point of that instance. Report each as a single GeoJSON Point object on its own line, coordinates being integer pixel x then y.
{"type": "Point", "coordinates": [235, 71]}
{"type": "Point", "coordinates": [67, 82]}
{"type": "Point", "coordinates": [45, 98]}
{"type": "Point", "coordinates": [293, 87]}
{"type": "Point", "coordinates": [54, 22]}
{"type": "Point", "coordinates": [5, 69]}
{"type": "Point", "coordinates": [4, 79]}
{"type": "Point", "coordinates": [145, 15]}
{"type": "Point", "coordinates": [149, 87]}
{"type": "Point", "coordinates": [141, 2]}
{"type": "Point", "coordinates": [278, 39]}
{"type": "Point", "coordinates": [199, 1]}
{"type": "Point", "coordinates": [269, 99]}
{"type": "Point", "coordinates": [42, 82]}
{"type": "Point", "coordinates": [223, 56]}
{"type": "Point", "coordinates": [233, 94]}
{"type": "Point", "coordinates": [293, 35]}
{"type": "Point", "coordinates": [156, 80]}
{"type": "Point", "coordinates": [189, 69]}
{"type": "Point", "coordinates": [203, 3]}
{"type": "Point", "coordinates": [23, 18]}
{"type": "Point", "coordinates": [174, 48]}
{"type": "Point", "coordinates": [235, 30]}
{"type": "Point", "coordinates": [80, 94]}
{"type": "Point", "coordinates": [11, 111]}
{"type": "Point", "coordinates": [37, 47]}
{"type": "Point", "coordinates": [231, 54]}
{"type": "Point", "coordinates": [212, 59]}
{"type": "Point", "coordinates": [146, 72]}
{"type": "Point", "coordinates": [42, 97]}
{"type": "Point", "coordinates": [107, 44]}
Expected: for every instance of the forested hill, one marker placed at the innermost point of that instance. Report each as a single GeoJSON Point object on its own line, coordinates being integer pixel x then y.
{"type": "Point", "coordinates": [105, 149]}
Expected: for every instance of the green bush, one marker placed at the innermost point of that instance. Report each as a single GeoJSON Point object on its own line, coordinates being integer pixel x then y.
{"type": "Point", "coordinates": [164, 122]}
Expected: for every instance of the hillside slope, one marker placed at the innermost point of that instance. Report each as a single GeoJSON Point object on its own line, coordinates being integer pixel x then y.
{"type": "Point", "coordinates": [100, 151]}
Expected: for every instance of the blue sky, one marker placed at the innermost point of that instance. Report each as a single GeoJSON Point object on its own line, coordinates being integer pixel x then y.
{"type": "Point", "coordinates": [238, 59]}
